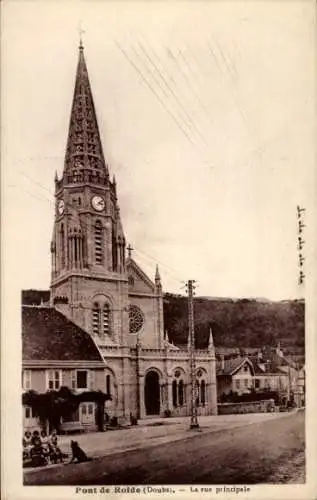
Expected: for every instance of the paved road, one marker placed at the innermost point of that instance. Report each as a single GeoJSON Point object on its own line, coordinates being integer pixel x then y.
{"type": "Point", "coordinates": [271, 451]}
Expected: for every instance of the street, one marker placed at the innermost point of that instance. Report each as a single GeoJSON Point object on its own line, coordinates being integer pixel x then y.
{"type": "Point", "coordinates": [271, 451]}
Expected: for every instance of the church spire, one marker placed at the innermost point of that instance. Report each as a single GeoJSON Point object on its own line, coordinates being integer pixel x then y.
{"type": "Point", "coordinates": [84, 159]}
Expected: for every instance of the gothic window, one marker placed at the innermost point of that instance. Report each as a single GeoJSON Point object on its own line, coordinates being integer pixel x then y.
{"type": "Point", "coordinates": [136, 319]}
{"type": "Point", "coordinates": [203, 392]}
{"type": "Point", "coordinates": [201, 388]}
{"type": "Point", "coordinates": [180, 393]}
{"type": "Point", "coordinates": [108, 384]}
{"type": "Point", "coordinates": [178, 389]}
{"type": "Point", "coordinates": [106, 319]}
{"type": "Point", "coordinates": [62, 233]}
{"type": "Point", "coordinates": [96, 319]}
{"type": "Point", "coordinates": [174, 391]}
{"type": "Point", "coordinates": [98, 243]}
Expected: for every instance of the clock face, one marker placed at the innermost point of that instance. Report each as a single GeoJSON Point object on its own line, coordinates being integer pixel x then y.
{"type": "Point", "coordinates": [98, 203]}
{"type": "Point", "coordinates": [61, 207]}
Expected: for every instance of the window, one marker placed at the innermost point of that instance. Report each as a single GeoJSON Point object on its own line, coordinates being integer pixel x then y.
{"type": "Point", "coordinates": [180, 393]}
{"type": "Point", "coordinates": [136, 319]}
{"type": "Point", "coordinates": [201, 388]}
{"type": "Point", "coordinates": [101, 319]}
{"type": "Point", "coordinates": [106, 319]}
{"type": "Point", "coordinates": [174, 391]}
{"type": "Point", "coordinates": [257, 383]}
{"type": "Point", "coordinates": [108, 384]}
{"type": "Point", "coordinates": [238, 384]}
{"type": "Point", "coordinates": [203, 392]}
{"type": "Point", "coordinates": [98, 243]}
{"type": "Point", "coordinates": [62, 234]}
{"type": "Point", "coordinates": [178, 389]}
{"type": "Point", "coordinates": [54, 380]}
{"type": "Point", "coordinates": [28, 412]}
{"type": "Point", "coordinates": [96, 319]}
{"type": "Point", "coordinates": [83, 379]}
{"type": "Point", "coordinates": [26, 379]}
{"type": "Point", "coordinates": [245, 368]}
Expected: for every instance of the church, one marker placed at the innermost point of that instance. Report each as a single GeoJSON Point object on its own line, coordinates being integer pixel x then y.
{"type": "Point", "coordinates": [99, 288]}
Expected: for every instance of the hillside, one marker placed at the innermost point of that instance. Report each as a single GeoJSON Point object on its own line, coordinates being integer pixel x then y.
{"type": "Point", "coordinates": [238, 323]}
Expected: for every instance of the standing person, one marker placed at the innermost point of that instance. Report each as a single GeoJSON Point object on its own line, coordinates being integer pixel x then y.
{"type": "Point", "coordinates": [45, 443]}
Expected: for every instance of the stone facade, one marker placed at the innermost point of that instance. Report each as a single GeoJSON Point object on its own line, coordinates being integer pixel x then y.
{"type": "Point", "coordinates": [105, 292]}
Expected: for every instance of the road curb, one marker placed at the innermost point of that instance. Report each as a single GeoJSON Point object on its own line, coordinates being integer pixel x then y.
{"type": "Point", "coordinates": [186, 434]}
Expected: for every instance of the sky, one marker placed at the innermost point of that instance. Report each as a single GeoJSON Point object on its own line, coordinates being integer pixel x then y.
{"type": "Point", "coordinates": [207, 116]}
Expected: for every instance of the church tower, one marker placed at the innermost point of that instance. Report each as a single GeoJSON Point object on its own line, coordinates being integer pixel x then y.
{"type": "Point", "coordinates": [89, 280]}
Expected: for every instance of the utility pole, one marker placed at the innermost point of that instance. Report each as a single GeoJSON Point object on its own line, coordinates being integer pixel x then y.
{"type": "Point", "coordinates": [193, 418]}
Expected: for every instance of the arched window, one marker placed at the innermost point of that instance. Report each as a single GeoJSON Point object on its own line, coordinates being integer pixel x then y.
{"type": "Point", "coordinates": [201, 388]}
{"type": "Point", "coordinates": [99, 246]}
{"type": "Point", "coordinates": [203, 392]}
{"type": "Point", "coordinates": [180, 393]}
{"type": "Point", "coordinates": [178, 389]}
{"type": "Point", "coordinates": [96, 319]}
{"type": "Point", "coordinates": [108, 384]}
{"type": "Point", "coordinates": [106, 320]}
{"type": "Point", "coordinates": [174, 391]}
{"type": "Point", "coordinates": [62, 249]}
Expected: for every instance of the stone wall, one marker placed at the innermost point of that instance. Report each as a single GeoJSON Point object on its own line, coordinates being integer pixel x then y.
{"type": "Point", "coordinates": [252, 407]}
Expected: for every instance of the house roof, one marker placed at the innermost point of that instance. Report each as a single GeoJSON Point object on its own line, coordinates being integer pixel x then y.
{"type": "Point", "coordinates": [272, 366]}
{"type": "Point", "coordinates": [230, 366]}
{"type": "Point", "coordinates": [48, 335]}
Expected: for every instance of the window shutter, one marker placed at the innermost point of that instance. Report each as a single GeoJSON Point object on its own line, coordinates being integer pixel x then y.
{"type": "Point", "coordinates": [73, 376]}
{"type": "Point", "coordinates": [91, 375]}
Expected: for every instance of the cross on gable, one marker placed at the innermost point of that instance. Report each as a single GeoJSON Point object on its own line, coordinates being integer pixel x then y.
{"type": "Point", "coordinates": [129, 248]}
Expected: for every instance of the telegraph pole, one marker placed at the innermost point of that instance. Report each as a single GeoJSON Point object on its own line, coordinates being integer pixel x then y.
{"type": "Point", "coordinates": [193, 418]}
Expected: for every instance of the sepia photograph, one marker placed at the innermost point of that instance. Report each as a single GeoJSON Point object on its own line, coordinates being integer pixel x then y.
{"type": "Point", "coordinates": [159, 188]}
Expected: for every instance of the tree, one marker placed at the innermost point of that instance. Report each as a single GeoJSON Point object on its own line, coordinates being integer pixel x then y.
{"type": "Point", "coordinates": [51, 406]}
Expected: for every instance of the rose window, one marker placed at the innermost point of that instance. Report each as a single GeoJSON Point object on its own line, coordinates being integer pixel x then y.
{"type": "Point", "coordinates": [136, 319]}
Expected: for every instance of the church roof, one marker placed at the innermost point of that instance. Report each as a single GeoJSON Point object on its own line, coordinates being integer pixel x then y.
{"type": "Point", "coordinates": [48, 335]}
{"type": "Point", "coordinates": [84, 148]}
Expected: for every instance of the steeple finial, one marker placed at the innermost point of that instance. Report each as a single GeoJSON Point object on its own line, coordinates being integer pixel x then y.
{"type": "Point", "coordinates": [157, 275]}
{"type": "Point", "coordinates": [81, 31]}
{"type": "Point", "coordinates": [211, 340]}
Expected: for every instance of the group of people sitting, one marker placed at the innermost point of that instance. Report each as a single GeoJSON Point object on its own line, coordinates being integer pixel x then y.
{"type": "Point", "coordinates": [41, 449]}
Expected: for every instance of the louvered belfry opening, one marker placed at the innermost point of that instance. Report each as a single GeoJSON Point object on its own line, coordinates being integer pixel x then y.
{"type": "Point", "coordinates": [98, 243]}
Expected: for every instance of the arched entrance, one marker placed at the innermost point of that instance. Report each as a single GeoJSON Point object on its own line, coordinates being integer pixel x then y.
{"type": "Point", "coordinates": [152, 393]}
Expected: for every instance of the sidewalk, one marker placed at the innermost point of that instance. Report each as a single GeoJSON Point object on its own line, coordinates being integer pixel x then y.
{"type": "Point", "coordinates": [152, 432]}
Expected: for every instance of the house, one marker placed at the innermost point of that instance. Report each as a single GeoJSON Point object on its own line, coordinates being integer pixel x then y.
{"type": "Point", "coordinates": [275, 372]}
{"type": "Point", "coordinates": [234, 375]}
{"type": "Point", "coordinates": [56, 353]}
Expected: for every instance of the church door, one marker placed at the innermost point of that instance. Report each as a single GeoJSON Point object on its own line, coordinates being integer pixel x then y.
{"type": "Point", "coordinates": [152, 393]}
